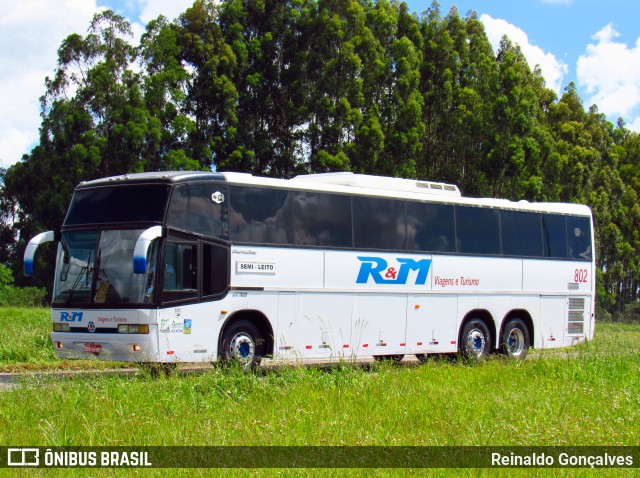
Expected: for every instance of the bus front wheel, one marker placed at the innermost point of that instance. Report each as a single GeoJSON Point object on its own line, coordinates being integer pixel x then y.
{"type": "Point", "coordinates": [242, 343]}
{"type": "Point", "coordinates": [475, 341]}
{"type": "Point", "coordinates": [515, 339]}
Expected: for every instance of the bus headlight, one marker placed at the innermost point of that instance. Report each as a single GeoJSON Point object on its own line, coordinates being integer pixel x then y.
{"type": "Point", "coordinates": [133, 329]}
{"type": "Point", "coordinates": [60, 327]}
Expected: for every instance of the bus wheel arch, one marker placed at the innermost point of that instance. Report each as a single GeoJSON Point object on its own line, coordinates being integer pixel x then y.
{"type": "Point", "coordinates": [252, 322]}
{"type": "Point", "coordinates": [476, 336]}
{"type": "Point", "coordinates": [515, 334]}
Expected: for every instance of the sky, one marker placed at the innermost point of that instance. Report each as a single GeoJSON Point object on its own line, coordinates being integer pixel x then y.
{"type": "Point", "coordinates": [593, 43]}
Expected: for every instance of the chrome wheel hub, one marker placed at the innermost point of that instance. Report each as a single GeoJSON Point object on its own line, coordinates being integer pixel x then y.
{"type": "Point", "coordinates": [242, 347]}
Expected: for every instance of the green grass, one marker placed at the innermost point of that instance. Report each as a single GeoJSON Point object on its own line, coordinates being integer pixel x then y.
{"type": "Point", "coordinates": [26, 344]}
{"type": "Point", "coordinates": [585, 395]}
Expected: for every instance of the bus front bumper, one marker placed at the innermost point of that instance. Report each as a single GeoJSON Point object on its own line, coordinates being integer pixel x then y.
{"type": "Point", "coordinates": [132, 348]}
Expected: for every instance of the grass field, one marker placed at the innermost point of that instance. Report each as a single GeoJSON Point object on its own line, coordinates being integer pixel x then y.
{"type": "Point", "coordinates": [586, 395]}
{"type": "Point", "coordinates": [26, 345]}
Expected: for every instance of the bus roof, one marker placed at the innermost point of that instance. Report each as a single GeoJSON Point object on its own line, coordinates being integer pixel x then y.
{"type": "Point", "coordinates": [154, 177]}
{"type": "Point", "coordinates": [345, 183]}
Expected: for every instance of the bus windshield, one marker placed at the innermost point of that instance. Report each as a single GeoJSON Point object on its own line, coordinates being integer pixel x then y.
{"type": "Point", "coordinates": [96, 267]}
{"type": "Point", "coordinates": [118, 204]}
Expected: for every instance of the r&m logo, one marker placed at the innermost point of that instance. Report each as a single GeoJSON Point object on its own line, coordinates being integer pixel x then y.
{"type": "Point", "coordinates": [379, 270]}
{"type": "Point", "coordinates": [71, 316]}
{"type": "Point", "coordinates": [23, 457]}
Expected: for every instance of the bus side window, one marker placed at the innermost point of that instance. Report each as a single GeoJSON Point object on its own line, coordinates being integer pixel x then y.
{"type": "Point", "coordinates": [554, 235]}
{"type": "Point", "coordinates": [430, 227]}
{"type": "Point", "coordinates": [477, 230]}
{"type": "Point", "coordinates": [379, 223]}
{"type": "Point", "coordinates": [521, 233]}
{"type": "Point", "coordinates": [579, 238]}
{"type": "Point", "coordinates": [215, 276]}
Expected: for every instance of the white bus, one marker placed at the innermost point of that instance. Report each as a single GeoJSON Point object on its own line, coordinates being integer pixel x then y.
{"type": "Point", "coordinates": [195, 266]}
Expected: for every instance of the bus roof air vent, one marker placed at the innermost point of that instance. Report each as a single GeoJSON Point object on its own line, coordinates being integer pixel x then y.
{"type": "Point", "coordinates": [381, 182]}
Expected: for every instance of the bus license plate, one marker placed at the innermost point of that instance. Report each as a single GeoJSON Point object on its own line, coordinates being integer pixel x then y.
{"type": "Point", "coordinates": [93, 348]}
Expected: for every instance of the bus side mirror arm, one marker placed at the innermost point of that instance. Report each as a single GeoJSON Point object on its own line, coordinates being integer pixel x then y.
{"type": "Point", "coordinates": [142, 246]}
{"type": "Point", "coordinates": [32, 247]}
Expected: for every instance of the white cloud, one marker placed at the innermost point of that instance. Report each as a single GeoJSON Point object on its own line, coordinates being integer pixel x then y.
{"type": "Point", "coordinates": [151, 9]}
{"type": "Point", "coordinates": [634, 125]}
{"type": "Point", "coordinates": [553, 70]}
{"type": "Point", "coordinates": [610, 72]}
{"type": "Point", "coordinates": [30, 34]}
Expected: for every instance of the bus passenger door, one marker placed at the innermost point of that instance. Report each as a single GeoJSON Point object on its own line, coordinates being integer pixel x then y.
{"type": "Point", "coordinates": [195, 274]}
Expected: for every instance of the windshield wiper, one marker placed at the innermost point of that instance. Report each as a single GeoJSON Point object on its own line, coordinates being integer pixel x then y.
{"type": "Point", "coordinates": [74, 287]}
{"type": "Point", "coordinates": [102, 290]}
{"type": "Point", "coordinates": [84, 272]}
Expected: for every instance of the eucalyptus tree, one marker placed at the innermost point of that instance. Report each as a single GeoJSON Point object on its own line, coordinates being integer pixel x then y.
{"type": "Point", "coordinates": [459, 81]}
{"type": "Point", "coordinates": [336, 97]}
{"type": "Point", "coordinates": [514, 117]}
{"type": "Point", "coordinates": [211, 96]}
{"type": "Point", "coordinates": [166, 86]}
{"type": "Point", "coordinates": [94, 123]}
{"type": "Point", "coordinates": [269, 40]}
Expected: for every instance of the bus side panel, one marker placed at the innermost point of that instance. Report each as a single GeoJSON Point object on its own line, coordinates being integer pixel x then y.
{"type": "Point", "coordinates": [555, 277]}
{"type": "Point", "coordinates": [380, 323]}
{"type": "Point", "coordinates": [314, 325]}
{"type": "Point", "coordinates": [377, 271]}
{"type": "Point", "coordinates": [285, 337]}
{"type": "Point", "coordinates": [476, 274]}
{"type": "Point", "coordinates": [566, 309]}
{"type": "Point", "coordinates": [269, 267]}
{"type": "Point", "coordinates": [588, 322]}
{"type": "Point", "coordinates": [189, 333]}
{"type": "Point", "coordinates": [551, 323]}
{"type": "Point", "coordinates": [431, 327]}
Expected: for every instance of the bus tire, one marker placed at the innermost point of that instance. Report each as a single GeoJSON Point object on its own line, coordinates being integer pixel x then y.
{"type": "Point", "coordinates": [422, 357]}
{"type": "Point", "coordinates": [242, 343]}
{"type": "Point", "coordinates": [515, 339]}
{"type": "Point", "coordinates": [475, 343]}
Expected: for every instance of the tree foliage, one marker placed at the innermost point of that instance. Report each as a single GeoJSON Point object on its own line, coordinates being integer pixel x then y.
{"type": "Point", "coordinates": [282, 87]}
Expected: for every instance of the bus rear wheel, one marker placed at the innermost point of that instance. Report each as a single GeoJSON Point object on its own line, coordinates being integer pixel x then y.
{"type": "Point", "coordinates": [243, 344]}
{"type": "Point", "coordinates": [515, 339]}
{"type": "Point", "coordinates": [475, 343]}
